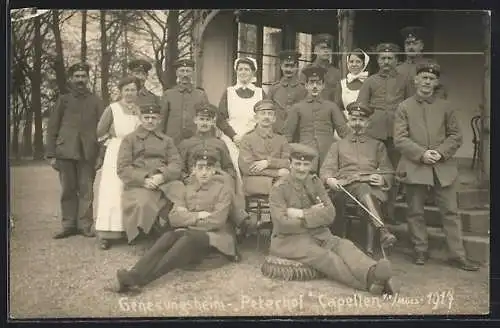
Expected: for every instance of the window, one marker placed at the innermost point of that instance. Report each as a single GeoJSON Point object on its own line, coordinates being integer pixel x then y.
{"type": "Point", "coordinates": [264, 43]}
{"type": "Point", "coordinates": [304, 46]}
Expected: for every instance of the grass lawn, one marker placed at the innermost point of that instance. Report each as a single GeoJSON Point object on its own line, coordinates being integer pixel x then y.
{"type": "Point", "coordinates": [67, 278]}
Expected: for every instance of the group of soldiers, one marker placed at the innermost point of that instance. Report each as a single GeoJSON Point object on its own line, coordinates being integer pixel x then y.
{"type": "Point", "coordinates": [401, 126]}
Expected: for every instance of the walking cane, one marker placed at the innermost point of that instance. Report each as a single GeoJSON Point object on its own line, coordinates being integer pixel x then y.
{"type": "Point", "coordinates": [378, 221]}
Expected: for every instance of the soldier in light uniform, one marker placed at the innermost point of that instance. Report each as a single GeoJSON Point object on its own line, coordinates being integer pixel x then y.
{"type": "Point", "coordinates": [322, 45]}
{"type": "Point", "coordinates": [355, 154]}
{"type": "Point", "coordinates": [140, 69]}
{"type": "Point", "coordinates": [180, 102]}
{"type": "Point", "coordinates": [413, 37]}
{"type": "Point", "coordinates": [427, 133]}
{"type": "Point", "coordinates": [200, 219]}
{"type": "Point", "coordinates": [314, 120]}
{"type": "Point", "coordinates": [302, 213]}
{"type": "Point", "coordinates": [289, 89]}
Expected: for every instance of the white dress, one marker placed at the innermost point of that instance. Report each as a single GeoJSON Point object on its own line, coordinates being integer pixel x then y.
{"type": "Point", "coordinates": [109, 204]}
{"type": "Point", "coordinates": [348, 95]}
{"type": "Point", "coordinates": [241, 118]}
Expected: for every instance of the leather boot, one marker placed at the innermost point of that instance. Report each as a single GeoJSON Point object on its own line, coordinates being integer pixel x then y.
{"type": "Point", "coordinates": [370, 234]}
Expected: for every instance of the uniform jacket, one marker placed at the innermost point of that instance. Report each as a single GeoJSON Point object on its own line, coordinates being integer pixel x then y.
{"type": "Point", "coordinates": [384, 92]}
{"type": "Point", "coordinates": [214, 197]}
{"type": "Point", "coordinates": [179, 109]}
{"type": "Point", "coordinates": [285, 93]}
{"type": "Point", "coordinates": [355, 154]}
{"type": "Point", "coordinates": [423, 124]}
{"type": "Point", "coordinates": [313, 121]}
{"type": "Point", "coordinates": [143, 153]}
{"type": "Point", "coordinates": [72, 126]}
{"type": "Point", "coordinates": [189, 147]}
{"type": "Point", "coordinates": [258, 145]}
{"type": "Point", "coordinates": [289, 235]}
{"type": "Point", "coordinates": [146, 97]}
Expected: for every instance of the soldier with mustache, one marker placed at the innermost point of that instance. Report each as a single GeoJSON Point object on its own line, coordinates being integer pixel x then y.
{"type": "Point", "coordinates": [289, 90]}
{"type": "Point", "coordinates": [314, 120]}
{"type": "Point", "coordinates": [72, 150]}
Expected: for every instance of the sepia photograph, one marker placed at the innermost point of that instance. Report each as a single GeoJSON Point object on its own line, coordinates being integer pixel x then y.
{"type": "Point", "coordinates": [216, 162]}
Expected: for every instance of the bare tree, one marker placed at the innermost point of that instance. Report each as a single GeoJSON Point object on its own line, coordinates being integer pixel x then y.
{"type": "Point", "coordinates": [105, 59]}
{"type": "Point", "coordinates": [172, 51]}
{"type": "Point", "coordinates": [59, 58]}
{"type": "Point", "coordinates": [83, 46]}
{"type": "Point", "coordinates": [36, 93]}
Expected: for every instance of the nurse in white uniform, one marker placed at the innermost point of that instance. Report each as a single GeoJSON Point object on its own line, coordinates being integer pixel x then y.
{"type": "Point", "coordinates": [236, 106]}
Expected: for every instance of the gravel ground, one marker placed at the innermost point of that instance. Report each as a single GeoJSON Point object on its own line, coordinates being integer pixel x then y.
{"type": "Point", "coordinates": [67, 278]}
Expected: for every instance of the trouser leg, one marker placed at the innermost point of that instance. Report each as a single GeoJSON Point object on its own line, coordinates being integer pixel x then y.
{"type": "Point", "coordinates": [183, 251]}
{"type": "Point", "coordinates": [415, 198]}
{"type": "Point", "coordinates": [86, 175]}
{"type": "Point", "coordinates": [69, 194]}
{"type": "Point", "coordinates": [148, 261]}
{"type": "Point", "coordinates": [446, 199]}
{"type": "Point", "coordinates": [341, 261]}
{"type": "Point", "coordinates": [394, 157]}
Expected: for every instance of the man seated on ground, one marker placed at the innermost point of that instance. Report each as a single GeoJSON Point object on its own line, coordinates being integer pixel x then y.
{"type": "Point", "coordinates": [264, 155]}
{"type": "Point", "coordinates": [199, 218]}
{"type": "Point", "coordinates": [302, 213]}
{"type": "Point", "coordinates": [358, 163]}
{"type": "Point", "coordinates": [148, 163]}
{"type": "Point", "coordinates": [204, 138]}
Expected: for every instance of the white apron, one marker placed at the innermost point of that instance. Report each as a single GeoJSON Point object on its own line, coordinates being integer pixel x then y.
{"type": "Point", "coordinates": [348, 96]}
{"type": "Point", "coordinates": [109, 204]}
{"type": "Point", "coordinates": [241, 119]}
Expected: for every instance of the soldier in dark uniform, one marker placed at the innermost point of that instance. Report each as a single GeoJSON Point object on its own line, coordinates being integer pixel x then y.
{"type": "Point", "coordinates": [72, 149]}
{"type": "Point", "coordinates": [302, 213]}
{"type": "Point", "coordinates": [180, 102]}
{"type": "Point", "coordinates": [314, 120]}
{"type": "Point", "coordinates": [427, 133]}
{"type": "Point", "coordinates": [289, 90]}
{"type": "Point", "coordinates": [200, 217]}
{"type": "Point", "coordinates": [413, 37]}
{"type": "Point", "coordinates": [383, 92]}
{"type": "Point", "coordinates": [140, 69]}
{"type": "Point", "coordinates": [323, 49]}
{"type": "Point", "coordinates": [355, 154]}
{"type": "Point", "coordinates": [149, 166]}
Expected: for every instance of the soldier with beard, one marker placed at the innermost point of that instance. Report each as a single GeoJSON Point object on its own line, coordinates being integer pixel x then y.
{"type": "Point", "coordinates": [72, 149]}
{"type": "Point", "coordinates": [140, 69]}
{"type": "Point", "coordinates": [289, 90]}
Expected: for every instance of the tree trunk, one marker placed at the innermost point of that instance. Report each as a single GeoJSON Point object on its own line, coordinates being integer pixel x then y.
{"type": "Point", "coordinates": [105, 60]}
{"type": "Point", "coordinates": [59, 60]}
{"type": "Point", "coordinates": [83, 47]}
{"type": "Point", "coordinates": [36, 88]}
{"type": "Point", "coordinates": [172, 50]}
{"type": "Point", "coordinates": [27, 133]}
{"type": "Point", "coordinates": [15, 126]}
